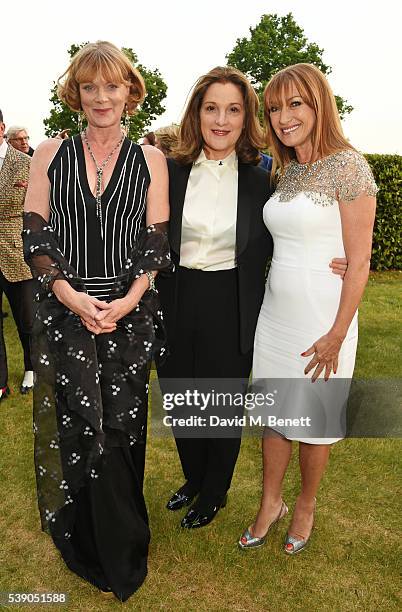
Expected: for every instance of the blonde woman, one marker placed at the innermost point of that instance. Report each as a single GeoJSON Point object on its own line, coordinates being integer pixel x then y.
{"type": "Point", "coordinates": [324, 203]}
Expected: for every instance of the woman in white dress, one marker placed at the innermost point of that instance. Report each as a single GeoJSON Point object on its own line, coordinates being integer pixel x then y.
{"type": "Point", "coordinates": [324, 204]}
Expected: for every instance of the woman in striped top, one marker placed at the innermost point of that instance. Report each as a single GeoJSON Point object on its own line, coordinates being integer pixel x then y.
{"type": "Point", "coordinates": [95, 235]}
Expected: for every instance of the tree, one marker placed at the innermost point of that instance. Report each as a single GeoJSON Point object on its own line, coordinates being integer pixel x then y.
{"type": "Point", "coordinates": [61, 117]}
{"type": "Point", "coordinates": [277, 42]}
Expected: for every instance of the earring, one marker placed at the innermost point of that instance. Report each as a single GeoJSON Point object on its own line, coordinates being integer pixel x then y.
{"type": "Point", "coordinates": [80, 121]}
{"type": "Point", "coordinates": [126, 121]}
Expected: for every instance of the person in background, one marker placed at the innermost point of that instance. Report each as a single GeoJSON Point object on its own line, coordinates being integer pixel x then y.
{"type": "Point", "coordinates": [18, 137]}
{"type": "Point", "coordinates": [166, 139]}
{"type": "Point", "coordinates": [64, 134]}
{"type": "Point", "coordinates": [15, 277]}
{"type": "Point", "coordinates": [148, 139]}
{"type": "Point", "coordinates": [266, 162]}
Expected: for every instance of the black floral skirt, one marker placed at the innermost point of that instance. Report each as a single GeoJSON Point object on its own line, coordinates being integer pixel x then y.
{"type": "Point", "coordinates": [90, 420]}
{"type": "Point", "coordinates": [109, 541]}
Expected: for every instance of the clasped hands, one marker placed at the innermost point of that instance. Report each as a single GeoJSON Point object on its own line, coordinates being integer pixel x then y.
{"type": "Point", "coordinates": [101, 317]}
{"type": "Point", "coordinates": [98, 316]}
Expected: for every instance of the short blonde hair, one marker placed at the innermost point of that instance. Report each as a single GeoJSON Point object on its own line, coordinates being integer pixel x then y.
{"type": "Point", "coordinates": [104, 59]}
{"type": "Point", "coordinates": [314, 89]}
{"type": "Point", "coordinates": [167, 138]}
{"type": "Point", "coordinates": [190, 136]}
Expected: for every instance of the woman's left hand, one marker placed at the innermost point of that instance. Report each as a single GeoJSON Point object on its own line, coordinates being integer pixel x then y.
{"type": "Point", "coordinates": [339, 266]}
{"type": "Point", "coordinates": [118, 309]}
{"type": "Point", "coordinates": [96, 329]}
{"type": "Point", "coordinates": [326, 352]}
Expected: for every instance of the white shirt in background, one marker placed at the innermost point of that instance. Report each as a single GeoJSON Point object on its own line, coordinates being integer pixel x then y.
{"type": "Point", "coordinates": [3, 151]}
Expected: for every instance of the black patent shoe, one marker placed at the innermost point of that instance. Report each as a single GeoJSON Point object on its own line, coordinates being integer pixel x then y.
{"type": "Point", "coordinates": [180, 499]}
{"type": "Point", "coordinates": [4, 392]}
{"type": "Point", "coordinates": [196, 518]}
{"type": "Point", "coordinates": [188, 519]}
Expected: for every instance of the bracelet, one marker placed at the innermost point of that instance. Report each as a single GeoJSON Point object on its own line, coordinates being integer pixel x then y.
{"type": "Point", "coordinates": [151, 281]}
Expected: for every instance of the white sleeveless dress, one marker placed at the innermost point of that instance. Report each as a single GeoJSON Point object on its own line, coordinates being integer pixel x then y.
{"type": "Point", "coordinates": [302, 294]}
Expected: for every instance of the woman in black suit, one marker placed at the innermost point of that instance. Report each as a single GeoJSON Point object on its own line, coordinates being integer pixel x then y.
{"type": "Point", "coordinates": [220, 247]}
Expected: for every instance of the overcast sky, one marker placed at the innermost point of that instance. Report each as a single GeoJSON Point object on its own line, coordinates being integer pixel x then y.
{"type": "Point", "coordinates": [184, 39]}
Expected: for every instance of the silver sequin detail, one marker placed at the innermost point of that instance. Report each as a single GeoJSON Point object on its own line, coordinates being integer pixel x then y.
{"type": "Point", "coordinates": [342, 176]}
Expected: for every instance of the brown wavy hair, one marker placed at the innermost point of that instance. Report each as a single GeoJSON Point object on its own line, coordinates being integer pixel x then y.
{"type": "Point", "coordinates": [190, 136]}
{"type": "Point", "coordinates": [104, 59]}
{"type": "Point", "coordinates": [314, 89]}
{"type": "Point", "coordinates": [150, 136]}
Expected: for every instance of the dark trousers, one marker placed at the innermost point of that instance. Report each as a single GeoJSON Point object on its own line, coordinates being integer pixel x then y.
{"type": "Point", "coordinates": [21, 298]}
{"type": "Point", "coordinates": [205, 344]}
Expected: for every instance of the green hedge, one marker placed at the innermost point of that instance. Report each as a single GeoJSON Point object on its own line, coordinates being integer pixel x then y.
{"type": "Point", "coordinates": [387, 241]}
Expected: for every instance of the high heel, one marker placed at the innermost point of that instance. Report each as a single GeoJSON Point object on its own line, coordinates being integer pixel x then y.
{"type": "Point", "coordinates": [106, 592]}
{"type": "Point", "coordinates": [295, 545]}
{"type": "Point", "coordinates": [247, 540]}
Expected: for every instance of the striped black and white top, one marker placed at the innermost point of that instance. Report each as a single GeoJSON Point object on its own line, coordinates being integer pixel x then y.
{"type": "Point", "coordinates": [98, 261]}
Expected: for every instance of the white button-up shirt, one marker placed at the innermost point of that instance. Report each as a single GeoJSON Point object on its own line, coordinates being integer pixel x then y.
{"type": "Point", "coordinates": [208, 238]}
{"type": "Point", "coordinates": [3, 151]}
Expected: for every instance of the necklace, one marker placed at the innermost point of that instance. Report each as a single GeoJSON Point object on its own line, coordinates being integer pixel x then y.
{"type": "Point", "coordinates": [99, 174]}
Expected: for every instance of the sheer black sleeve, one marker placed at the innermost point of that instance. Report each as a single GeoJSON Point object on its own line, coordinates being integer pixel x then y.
{"type": "Point", "coordinates": [42, 254]}
{"type": "Point", "coordinates": [144, 326]}
{"type": "Point", "coordinates": [151, 252]}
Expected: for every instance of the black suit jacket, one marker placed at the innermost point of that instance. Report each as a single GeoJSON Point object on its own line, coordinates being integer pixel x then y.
{"type": "Point", "coordinates": [253, 246]}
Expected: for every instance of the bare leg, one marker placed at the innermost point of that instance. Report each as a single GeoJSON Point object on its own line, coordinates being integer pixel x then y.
{"type": "Point", "coordinates": [313, 459]}
{"type": "Point", "coordinates": [276, 452]}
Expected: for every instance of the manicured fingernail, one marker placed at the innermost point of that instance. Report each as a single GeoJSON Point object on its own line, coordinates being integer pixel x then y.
{"type": "Point", "coordinates": [302, 354]}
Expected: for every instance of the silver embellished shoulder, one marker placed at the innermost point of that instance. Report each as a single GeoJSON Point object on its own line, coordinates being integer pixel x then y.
{"type": "Point", "coordinates": [342, 176]}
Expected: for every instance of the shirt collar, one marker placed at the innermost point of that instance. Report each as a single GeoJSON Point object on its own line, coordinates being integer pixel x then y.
{"type": "Point", "coordinates": [230, 161]}
{"type": "Point", "coordinates": [3, 149]}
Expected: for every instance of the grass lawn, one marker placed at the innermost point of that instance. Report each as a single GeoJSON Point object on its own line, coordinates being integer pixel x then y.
{"type": "Point", "coordinates": [350, 564]}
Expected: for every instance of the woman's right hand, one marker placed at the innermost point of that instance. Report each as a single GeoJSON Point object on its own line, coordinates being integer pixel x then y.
{"type": "Point", "coordinates": [83, 305]}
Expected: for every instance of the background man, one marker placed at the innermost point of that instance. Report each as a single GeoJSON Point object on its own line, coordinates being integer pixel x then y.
{"type": "Point", "coordinates": [15, 277]}
{"type": "Point", "coordinates": [17, 136]}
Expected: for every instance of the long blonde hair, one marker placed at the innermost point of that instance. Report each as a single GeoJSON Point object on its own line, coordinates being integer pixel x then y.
{"type": "Point", "coordinates": [314, 89]}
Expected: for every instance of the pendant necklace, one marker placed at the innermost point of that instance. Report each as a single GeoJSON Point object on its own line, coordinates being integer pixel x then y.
{"type": "Point", "coordinates": [99, 174]}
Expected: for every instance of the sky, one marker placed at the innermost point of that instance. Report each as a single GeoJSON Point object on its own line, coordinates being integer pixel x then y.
{"type": "Point", "coordinates": [361, 42]}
